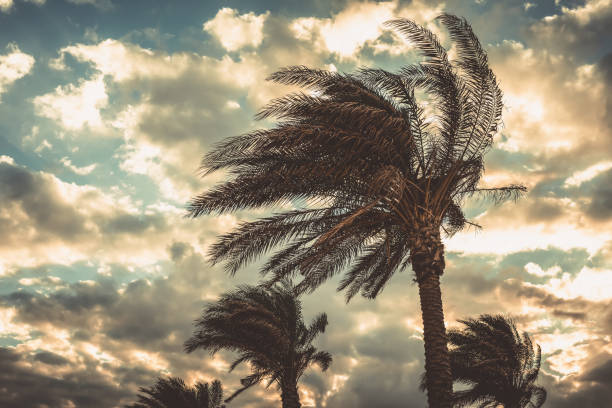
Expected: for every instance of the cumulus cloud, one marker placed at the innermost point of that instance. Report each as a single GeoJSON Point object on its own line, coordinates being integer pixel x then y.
{"type": "Point", "coordinates": [43, 218]}
{"type": "Point", "coordinates": [360, 24]}
{"type": "Point", "coordinates": [582, 28]}
{"type": "Point", "coordinates": [234, 30]}
{"type": "Point", "coordinates": [13, 66]}
{"type": "Point", "coordinates": [75, 107]}
{"type": "Point", "coordinates": [6, 5]}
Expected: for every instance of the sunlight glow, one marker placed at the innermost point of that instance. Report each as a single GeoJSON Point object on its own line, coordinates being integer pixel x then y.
{"type": "Point", "coordinates": [590, 283]}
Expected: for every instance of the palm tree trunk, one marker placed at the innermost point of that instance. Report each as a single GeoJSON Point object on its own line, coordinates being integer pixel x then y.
{"type": "Point", "coordinates": [290, 396]}
{"type": "Point", "coordinates": [427, 258]}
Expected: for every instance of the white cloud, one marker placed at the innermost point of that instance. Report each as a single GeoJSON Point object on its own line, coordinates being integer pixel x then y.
{"type": "Point", "coordinates": [535, 269]}
{"type": "Point", "coordinates": [514, 237]}
{"type": "Point", "coordinates": [75, 106]}
{"type": "Point", "coordinates": [78, 170]}
{"type": "Point", "coordinates": [14, 65]}
{"type": "Point", "coordinates": [121, 61]}
{"type": "Point", "coordinates": [587, 174]}
{"type": "Point", "coordinates": [584, 13]}
{"type": "Point", "coordinates": [6, 5]}
{"type": "Point", "coordinates": [594, 284]}
{"type": "Point", "coordinates": [101, 4]}
{"type": "Point", "coordinates": [235, 31]}
{"type": "Point", "coordinates": [552, 112]}
{"type": "Point", "coordinates": [346, 33]}
{"type": "Point", "coordinates": [349, 30]}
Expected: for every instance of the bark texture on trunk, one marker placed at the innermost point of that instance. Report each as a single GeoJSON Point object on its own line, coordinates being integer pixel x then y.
{"type": "Point", "coordinates": [427, 258]}
{"type": "Point", "coordinates": [290, 396]}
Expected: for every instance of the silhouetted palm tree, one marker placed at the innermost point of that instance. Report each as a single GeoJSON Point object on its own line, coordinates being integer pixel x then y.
{"type": "Point", "coordinates": [172, 392]}
{"type": "Point", "coordinates": [265, 326]}
{"type": "Point", "coordinates": [499, 365]}
{"type": "Point", "coordinates": [383, 178]}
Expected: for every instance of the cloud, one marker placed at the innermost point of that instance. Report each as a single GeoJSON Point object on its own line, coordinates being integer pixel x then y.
{"type": "Point", "coordinates": [587, 174]}
{"type": "Point", "coordinates": [44, 219]}
{"type": "Point", "coordinates": [185, 103]}
{"type": "Point", "coordinates": [78, 170]}
{"type": "Point", "coordinates": [101, 281]}
{"type": "Point", "coordinates": [359, 24]}
{"type": "Point", "coordinates": [6, 5]}
{"type": "Point", "coordinates": [75, 107]}
{"type": "Point", "coordinates": [600, 205]}
{"type": "Point", "coordinates": [582, 28]}
{"type": "Point", "coordinates": [235, 31]}
{"type": "Point", "coordinates": [103, 338]}
{"type": "Point", "coordinates": [79, 388]}
{"type": "Point", "coordinates": [99, 4]}
{"type": "Point", "coordinates": [13, 66]}
{"type": "Point", "coordinates": [547, 114]}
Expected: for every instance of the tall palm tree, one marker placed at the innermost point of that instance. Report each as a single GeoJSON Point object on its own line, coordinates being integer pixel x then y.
{"type": "Point", "coordinates": [499, 365]}
{"type": "Point", "coordinates": [172, 392]}
{"type": "Point", "coordinates": [265, 326]}
{"type": "Point", "coordinates": [385, 180]}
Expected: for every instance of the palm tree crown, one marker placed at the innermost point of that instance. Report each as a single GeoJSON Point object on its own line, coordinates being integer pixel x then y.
{"type": "Point", "coordinates": [499, 365]}
{"type": "Point", "coordinates": [385, 177]}
{"type": "Point", "coordinates": [172, 392]}
{"type": "Point", "coordinates": [265, 326]}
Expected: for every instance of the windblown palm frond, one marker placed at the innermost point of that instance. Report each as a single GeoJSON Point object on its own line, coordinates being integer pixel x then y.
{"type": "Point", "coordinates": [497, 363]}
{"type": "Point", "coordinates": [266, 328]}
{"type": "Point", "coordinates": [359, 144]}
{"type": "Point", "coordinates": [172, 392]}
{"type": "Point", "coordinates": [387, 177]}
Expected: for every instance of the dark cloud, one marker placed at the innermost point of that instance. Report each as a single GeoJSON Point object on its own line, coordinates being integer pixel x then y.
{"type": "Point", "coordinates": [601, 374]}
{"type": "Point", "coordinates": [133, 224]}
{"type": "Point", "coordinates": [605, 67]}
{"type": "Point", "coordinates": [38, 211]}
{"type": "Point", "coordinates": [600, 206]}
{"type": "Point", "coordinates": [374, 383]}
{"type": "Point", "coordinates": [571, 315]}
{"type": "Point", "coordinates": [50, 358]}
{"type": "Point", "coordinates": [23, 387]}
{"type": "Point", "coordinates": [177, 250]}
{"type": "Point", "coordinates": [583, 34]}
{"type": "Point", "coordinates": [67, 307]}
{"type": "Point", "coordinates": [147, 313]}
{"type": "Point", "coordinates": [590, 389]}
{"type": "Point", "coordinates": [399, 346]}
{"type": "Point", "coordinates": [33, 194]}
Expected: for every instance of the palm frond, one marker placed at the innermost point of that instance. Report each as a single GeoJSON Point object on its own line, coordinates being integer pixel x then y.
{"type": "Point", "coordinates": [265, 325]}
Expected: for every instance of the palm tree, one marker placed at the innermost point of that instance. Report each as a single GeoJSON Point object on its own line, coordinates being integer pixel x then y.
{"type": "Point", "coordinates": [499, 365]}
{"type": "Point", "coordinates": [265, 326]}
{"type": "Point", "coordinates": [384, 180]}
{"type": "Point", "coordinates": [172, 392]}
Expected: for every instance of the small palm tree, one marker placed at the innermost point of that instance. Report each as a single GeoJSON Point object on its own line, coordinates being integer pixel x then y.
{"type": "Point", "coordinates": [265, 326]}
{"type": "Point", "coordinates": [386, 179]}
{"type": "Point", "coordinates": [499, 365]}
{"type": "Point", "coordinates": [172, 392]}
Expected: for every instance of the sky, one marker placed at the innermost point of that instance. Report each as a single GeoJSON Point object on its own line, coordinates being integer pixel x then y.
{"type": "Point", "coordinates": [106, 108]}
